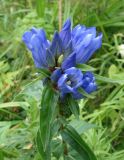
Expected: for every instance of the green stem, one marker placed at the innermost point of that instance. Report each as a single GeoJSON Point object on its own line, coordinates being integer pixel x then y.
{"type": "Point", "coordinates": [65, 148]}
{"type": "Point", "coordinates": [65, 151]}
{"type": "Point", "coordinates": [60, 14]}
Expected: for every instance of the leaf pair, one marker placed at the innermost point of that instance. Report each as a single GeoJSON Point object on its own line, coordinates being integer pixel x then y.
{"type": "Point", "coordinates": [69, 135]}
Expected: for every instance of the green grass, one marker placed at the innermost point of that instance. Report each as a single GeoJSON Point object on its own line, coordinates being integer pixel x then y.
{"type": "Point", "coordinates": [20, 88]}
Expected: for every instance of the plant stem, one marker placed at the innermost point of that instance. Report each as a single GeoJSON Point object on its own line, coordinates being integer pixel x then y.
{"type": "Point", "coordinates": [65, 148]}
{"type": "Point", "coordinates": [60, 14]}
{"type": "Point", "coordinates": [65, 151]}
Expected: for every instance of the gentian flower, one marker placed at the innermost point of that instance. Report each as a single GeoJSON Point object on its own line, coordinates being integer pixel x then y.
{"type": "Point", "coordinates": [70, 80]}
{"type": "Point", "coordinates": [68, 48]}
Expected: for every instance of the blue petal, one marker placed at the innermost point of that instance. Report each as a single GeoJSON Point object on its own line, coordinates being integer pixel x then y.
{"type": "Point", "coordinates": [56, 75]}
{"type": "Point", "coordinates": [86, 82]}
{"type": "Point", "coordinates": [85, 53]}
{"type": "Point", "coordinates": [26, 39]}
{"type": "Point", "coordinates": [89, 75]}
{"type": "Point", "coordinates": [50, 58]}
{"type": "Point", "coordinates": [56, 45]}
{"type": "Point", "coordinates": [91, 30]}
{"type": "Point", "coordinates": [38, 64]}
{"type": "Point", "coordinates": [83, 43]}
{"type": "Point", "coordinates": [65, 34]}
{"type": "Point", "coordinates": [78, 84]}
{"type": "Point", "coordinates": [87, 79]}
{"type": "Point", "coordinates": [67, 24]}
{"type": "Point", "coordinates": [34, 31]}
{"type": "Point", "coordinates": [77, 95]}
{"type": "Point", "coordinates": [64, 88]}
{"type": "Point", "coordinates": [38, 52]}
{"type": "Point", "coordinates": [42, 36]}
{"type": "Point", "coordinates": [82, 35]}
{"type": "Point", "coordinates": [91, 87]}
{"type": "Point", "coordinates": [78, 30]}
{"type": "Point", "coordinates": [69, 62]}
{"type": "Point", "coordinates": [68, 50]}
{"type": "Point", "coordinates": [89, 84]}
{"type": "Point", "coordinates": [74, 74]}
{"type": "Point", "coordinates": [36, 41]}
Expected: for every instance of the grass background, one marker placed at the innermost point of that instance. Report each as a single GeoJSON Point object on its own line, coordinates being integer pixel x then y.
{"type": "Point", "coordinates": [102, 117]}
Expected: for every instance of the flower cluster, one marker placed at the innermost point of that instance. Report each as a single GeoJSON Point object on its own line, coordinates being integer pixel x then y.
{"type": "Point", "coordinates": [68, 48]}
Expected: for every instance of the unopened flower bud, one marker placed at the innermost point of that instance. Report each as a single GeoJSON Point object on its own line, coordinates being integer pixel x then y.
{"type": "Point", "coordinates": [60, 59]}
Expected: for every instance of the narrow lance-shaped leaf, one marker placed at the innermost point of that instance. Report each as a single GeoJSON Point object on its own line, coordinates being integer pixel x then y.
{"type": "Point", "coordinates": [1, 155]}
{"type": "Point", "coordinates": [108, 80]}
{"type": "Point", "coordinates": [40, 7]}
{"type": "Point", "coordinates": [69, 158]}
{"type": "Point", "coordinates": [48, 106]}
{"type": "Point", "coordinates": [70, 135]}
{"type": "Point", "coordinates": [85, 67]}
{"type": "Point", "coordinates": [73, 105]}
{"type": "Point", "coordinates": [44, 72]}
{"type": "Point", "coordinates": [85, 94]}
{"type": "Point", "coordinates": [45, 155]}
{"type": "Point", "coordinates": [81, 126]}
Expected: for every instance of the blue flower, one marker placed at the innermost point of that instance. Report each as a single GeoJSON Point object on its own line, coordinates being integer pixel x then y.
{"type": "Point", "coordinates": [71, 80]}
{"type": "Point", "coordinates": [60, 56]}
{"type": "Point", "coordinates": [36, 42]}
{"type": "Point", "coordinates": [89, 84]}
{"type": "Point", "coordinates": [75, 45]}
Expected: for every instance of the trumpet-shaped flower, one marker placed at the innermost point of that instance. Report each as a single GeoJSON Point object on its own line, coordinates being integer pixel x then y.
{"type": "Point", "coordinates": [75, 45]}
{"type": "Point", "coordinates": [72, 79]}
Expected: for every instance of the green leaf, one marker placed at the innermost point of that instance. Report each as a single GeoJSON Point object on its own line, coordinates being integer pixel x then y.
{"type": "Point", "coordinates": [109, 80]}
{"type": "Point", "coordinates": [47, 114]}
{"type": "Point", "coordinates": [44, 72]}
{"type": "Point", "coordinates": [24, 105]}
{"type": "Point", "coordinates": [73, 105]}
{"type": "Point", "coordinates": [69, 157]}
{"type": "Point", "coordinates": [40, 7]}
{"type": "Point", "coordinates": [57, 148]}
{"type": "Point", "coordinates": [85, 67]}
{"type": "Point", "coordinates": [70, 135]}
{"type": "Point", "coordinates": [84, 93]}
{"type": "Point", "coordinates": [1, 155]}
{"type": "Point", "coordinates": [55, 127]}
{"type": "Point", "coordinates": [44, 154]}
{"type": "Point", "coordinates": [9, 153]}
{"type": "Point", "coordinates": [81, 126]}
